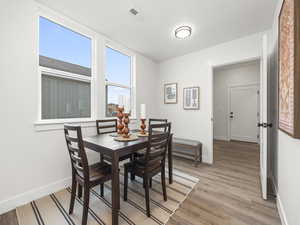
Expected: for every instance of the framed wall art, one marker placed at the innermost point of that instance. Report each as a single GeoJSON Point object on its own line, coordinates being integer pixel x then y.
{"type": "Point", "coordinates": [289, 68]}
{"type": "Point", "coordinates": [170, 93]}
{"type": "Point", "coordinates": [191, 98]}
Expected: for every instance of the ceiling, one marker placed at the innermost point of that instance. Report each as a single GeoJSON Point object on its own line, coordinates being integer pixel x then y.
{"type": "Point", "coordinates": [151, 32]}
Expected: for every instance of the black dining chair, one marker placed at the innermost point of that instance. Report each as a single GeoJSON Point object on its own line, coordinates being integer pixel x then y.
{"type": "Point", "coordinates": [106, 126]}
{"type": "Point", "coordinates": [157, 121]}
{"type": "Point", "coordinates": [152, 163]}
{"type": "Point", "coordinates": [83, 174]}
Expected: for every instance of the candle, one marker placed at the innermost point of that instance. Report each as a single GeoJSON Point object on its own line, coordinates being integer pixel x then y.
{"type": "Point", "coordinates": [121, 101]}
{"type": "Point", "coordinates": [127, 104]}
{"type": "Point", "coordinates": [143, 111]}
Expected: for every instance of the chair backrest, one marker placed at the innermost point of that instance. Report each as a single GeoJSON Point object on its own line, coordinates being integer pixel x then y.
{"type": "Point", "coordinates": [106, 126]}
{"type": "Point", "coordinates": [79, 161]}
{"type": "Point", "coordinates": [157, 121]}
{"type": "Point", "coordinates": [157, 143]}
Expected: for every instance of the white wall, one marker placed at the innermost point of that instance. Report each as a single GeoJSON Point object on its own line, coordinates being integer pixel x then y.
{"type": "Point", "coordinates": [285, 151]}
{"type": "Point", "coordinates": [195, 69]}
{"type": "Point", "coordinates": [34, 163]}
{"type": "Point", "coordinates": [224, 77]}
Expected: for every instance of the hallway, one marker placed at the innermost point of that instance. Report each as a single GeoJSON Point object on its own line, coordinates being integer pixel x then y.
{"type": "Point", "coordinates": [228, 192]}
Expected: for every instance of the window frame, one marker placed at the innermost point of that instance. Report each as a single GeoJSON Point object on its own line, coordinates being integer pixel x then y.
{"type": "Point", "coordinates": [132, 78]}
{"type": "Point", "coordinates": [81, 30]}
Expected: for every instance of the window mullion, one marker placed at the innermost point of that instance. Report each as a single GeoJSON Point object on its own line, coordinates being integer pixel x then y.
{"type": "Point", "coordinates": [117, 85]}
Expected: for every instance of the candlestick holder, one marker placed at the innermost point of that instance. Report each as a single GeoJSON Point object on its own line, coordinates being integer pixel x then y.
{"type": "Point", "coordinates": [143, 126]}
{"type": "Point", "coordinates": [126, 122]}
{"type": "Point", "coordinates": [120, 116]}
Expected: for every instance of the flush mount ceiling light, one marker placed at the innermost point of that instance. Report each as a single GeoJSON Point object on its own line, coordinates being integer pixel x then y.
{"type": "Point", "coordinates": [183, 32]}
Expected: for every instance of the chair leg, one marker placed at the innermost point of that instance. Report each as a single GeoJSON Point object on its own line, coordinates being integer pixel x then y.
{"type": "Point", "coordinates": [125, 183]}
{"type": "Point", "coordinates": [73, 195]}
{"type": "Point", "coordinates": [102, 190]}
{"type": "Point", "coordinates": [132, 158]}
{"type": "Point", "coordinates": [79, 191]}
{"type": "Point", "coordinates": [163, 183]}
{"type": "Point", "coordinates": [86, 199]}
{"type": "Point", "coordinates": [150, 183]}
{"type": "Point", "coordinates": [146, 181]}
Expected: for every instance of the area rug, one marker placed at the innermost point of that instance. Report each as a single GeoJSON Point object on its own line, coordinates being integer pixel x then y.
{"type": "Point", "coordinates": [53, 209]}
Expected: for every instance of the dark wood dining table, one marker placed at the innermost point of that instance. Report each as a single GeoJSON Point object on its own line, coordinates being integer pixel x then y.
{"type": "Point", "coordinates": [105, 144]}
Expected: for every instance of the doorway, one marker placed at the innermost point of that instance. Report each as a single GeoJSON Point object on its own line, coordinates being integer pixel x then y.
{"type": "Point", "coordinates": [236, 102]}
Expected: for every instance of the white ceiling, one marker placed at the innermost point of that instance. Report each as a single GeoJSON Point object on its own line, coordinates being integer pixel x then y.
{"type": "Point", "coordinates": [151, 31]}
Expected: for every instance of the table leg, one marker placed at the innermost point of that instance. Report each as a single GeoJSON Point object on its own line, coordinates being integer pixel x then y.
{"type": "Point", "coordinates": [170, 159]}
{"type": "Point", "coordinates": [115, 190]}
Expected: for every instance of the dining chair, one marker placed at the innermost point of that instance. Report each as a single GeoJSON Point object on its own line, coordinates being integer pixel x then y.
{"type": "Point", "coordinates": [142, 152]}
{"type": "Point", "coordinates": [106, 126]}
{"type": "Point", "coordinates": [157, 121]}
{"type": "Point", "coordinates": [152, 163]}
{"type": "Point", "coordinates": [83, 174]}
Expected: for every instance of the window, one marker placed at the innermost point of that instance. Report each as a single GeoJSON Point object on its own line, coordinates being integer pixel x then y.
{"type": "Point", "coordinates": [65, 58]}
{"type": "Point", "coordinates": [118, 79]}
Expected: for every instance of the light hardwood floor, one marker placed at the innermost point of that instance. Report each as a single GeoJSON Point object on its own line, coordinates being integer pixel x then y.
{"type": "Point", "coordinates": [228, 192]}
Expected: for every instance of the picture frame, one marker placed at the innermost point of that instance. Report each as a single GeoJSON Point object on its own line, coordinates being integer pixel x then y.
{"type": "Point", "coordinates": [289, 68]}
{"type": "Point", "coordinates": [170, 93]}
{"type": "Point", "coordinates": [191, 98]}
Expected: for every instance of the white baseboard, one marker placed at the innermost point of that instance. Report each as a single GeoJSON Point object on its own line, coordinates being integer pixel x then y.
{"type": "Point", "coordinates": [34, 194]}
{"type": "Point", "coordinates": [222, 138]}
{"type": "Point", "coordinates": [280, 208]}
{"type": "Point", "coordinates": [244, 138]}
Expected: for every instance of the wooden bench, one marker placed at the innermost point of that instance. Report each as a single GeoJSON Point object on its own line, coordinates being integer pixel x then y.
{"type": "Point", "coordinates": [189, 149]}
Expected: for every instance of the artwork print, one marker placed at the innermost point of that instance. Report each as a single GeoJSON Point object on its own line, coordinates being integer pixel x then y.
{"type": "Point", "coordinates": [191, 98]}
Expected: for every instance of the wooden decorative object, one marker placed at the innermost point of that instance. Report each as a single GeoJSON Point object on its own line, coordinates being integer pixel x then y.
{"type": "Point", "coordinates": [289, 68]}
{"type": "Point", "coordinates": [130, 138]}
{"type": "Point", "coordinates": [120, 116]}
{"type": "Point", "coordinates": [143, 127]}
{"type": "Point", "coordinates": [126, 129]}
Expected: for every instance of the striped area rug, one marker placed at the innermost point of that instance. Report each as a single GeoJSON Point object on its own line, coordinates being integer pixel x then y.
{"type": "Point", "coordinates": [53, 209]}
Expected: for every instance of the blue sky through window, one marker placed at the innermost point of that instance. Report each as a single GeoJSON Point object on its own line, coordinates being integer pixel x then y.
{"type": "Point", "coordinates": [58, 42]}
{"type": "Point", "coordinates": [118, 67]}
{"type": "Point", "coordinates": [61, 43]}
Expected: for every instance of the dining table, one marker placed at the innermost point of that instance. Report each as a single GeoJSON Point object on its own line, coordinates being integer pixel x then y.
{"type": "Point", "coordinates": [107, 145]}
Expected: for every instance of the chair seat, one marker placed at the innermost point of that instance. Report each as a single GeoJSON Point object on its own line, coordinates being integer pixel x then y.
{"type": "Point", "coordinates": [139, 167]}
{"type": "Point", "coordinates": [142, 153]}
{"type": "Point", "coordinates": [99, 173]}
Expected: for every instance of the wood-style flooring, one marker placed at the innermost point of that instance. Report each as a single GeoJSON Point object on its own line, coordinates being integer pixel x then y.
{"type": "Point", "coordinates": [228, 192]}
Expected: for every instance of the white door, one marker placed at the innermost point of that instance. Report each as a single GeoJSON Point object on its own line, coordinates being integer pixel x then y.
{"type": "Point", "coordinates": [264, 117]}
{"type": "Point", "coordinates": [243, 113]}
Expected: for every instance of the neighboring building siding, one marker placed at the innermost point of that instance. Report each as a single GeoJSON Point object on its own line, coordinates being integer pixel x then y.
{"type": "Point", "coordinates": [65, 66]}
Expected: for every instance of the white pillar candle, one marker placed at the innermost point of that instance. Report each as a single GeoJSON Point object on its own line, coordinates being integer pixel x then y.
{"type": "Point", "coordinates": [143, 111]}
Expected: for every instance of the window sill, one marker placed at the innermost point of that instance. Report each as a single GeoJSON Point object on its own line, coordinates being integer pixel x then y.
{"type": "Point", "coordinates": [44, 125]}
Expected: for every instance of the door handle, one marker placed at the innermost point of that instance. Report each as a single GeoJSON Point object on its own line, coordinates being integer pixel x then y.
{"type": "Point", "coordinates": [264, 125]}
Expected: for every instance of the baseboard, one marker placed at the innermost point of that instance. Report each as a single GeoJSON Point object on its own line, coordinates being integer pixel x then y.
{"type": "Point", "coordinates": [280, 208]}
{"type": "Point", "coordinates": [34, 194]}
{"type": "Point", "coordinates": [246, 139]}
{"type": "Point", "coordinates": [221, 138]}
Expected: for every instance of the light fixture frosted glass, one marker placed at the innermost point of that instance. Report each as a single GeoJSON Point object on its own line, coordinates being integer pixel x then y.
{"type": "Point", "coordinates": [183, 32]}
